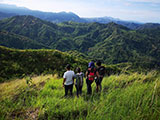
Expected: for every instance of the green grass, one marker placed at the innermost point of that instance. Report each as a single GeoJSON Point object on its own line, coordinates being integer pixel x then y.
{"type": "Point", "coordinates": [127, 97]}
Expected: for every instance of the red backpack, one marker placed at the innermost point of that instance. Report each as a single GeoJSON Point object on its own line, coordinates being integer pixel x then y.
{"type": "Point", "coordinates": [91, 73]}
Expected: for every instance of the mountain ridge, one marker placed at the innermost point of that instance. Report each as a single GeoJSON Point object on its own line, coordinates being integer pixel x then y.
{"type": "Point", "coordinates": [49, 16]}
{"type": "Point", "coordinates": [63, 16]}
{"type": "Point", "coordinates": [111, 43]}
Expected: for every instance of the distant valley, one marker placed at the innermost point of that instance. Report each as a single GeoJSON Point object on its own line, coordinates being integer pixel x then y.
{"type": "Point", "coordinates": [111, 43]}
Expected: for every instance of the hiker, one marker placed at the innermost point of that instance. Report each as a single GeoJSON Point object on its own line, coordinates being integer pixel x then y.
{"type": "Point", "coordinates": [91, 73]}
{"type": "Point", "coordinates": [68, 80]}
{"type": "Point", "coordinates": [79, 81]}
{"type": "Point", "coordinates": [100, 72]}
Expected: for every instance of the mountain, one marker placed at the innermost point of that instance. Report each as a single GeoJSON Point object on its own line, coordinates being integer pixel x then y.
{"type": "Point", "coordinates": [17, 41]}
{"type": "Point", "coordinates": [6, 15]}
{"type": "Point", "coordinates": [126, 46]}
{"type": "Point", "coordinates": [49, 16]}
{"type": "Point", "coordinates": [31, 27]}
{"type": "Point", "coordinates": [104, 20]}
{"type": "Point", "coordinates": [7, 11]}
{"type": "Point", "coordinates": [111, 43]}
{"type": "Point", "coordinates": [151, 29]}
{"type": "Point", "coordinates": [43, 32]}
{"type": "Point", "coordinates": [61, 16]}
{"type": "Point", "coordinates": [149, 26]}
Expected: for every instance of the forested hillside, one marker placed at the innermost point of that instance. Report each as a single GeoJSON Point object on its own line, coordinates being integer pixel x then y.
{"type": "Point", "coordinates": [12, 40]}
{"type": "Point", "coordinates": [111, 43]}
{"type": "Point", "coordinates": [4, 15]}
{"type": "Point", "coordinates": [19, 63]}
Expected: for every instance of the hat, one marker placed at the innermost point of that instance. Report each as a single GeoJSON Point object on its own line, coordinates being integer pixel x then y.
{"type": "Point", "coordinates": [91, 64]}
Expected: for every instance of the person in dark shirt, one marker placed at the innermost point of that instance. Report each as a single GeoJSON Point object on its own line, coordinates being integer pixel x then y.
{"type": "Point", "coordinates": [100, 72]}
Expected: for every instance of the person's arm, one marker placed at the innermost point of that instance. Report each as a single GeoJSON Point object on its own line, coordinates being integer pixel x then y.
{"type": "Point", "coordinates": [64, 81]}
{"type": "Point", "coordinates": [97, 74]}
{"type": "Point", "coordinates": [87, 74]}
{"type": "Point", "coordinates": [73, 77]}
{"type": "Point", "coordinates": [73, 80]}
{"type": "Point", "coordinates": [82, 79]}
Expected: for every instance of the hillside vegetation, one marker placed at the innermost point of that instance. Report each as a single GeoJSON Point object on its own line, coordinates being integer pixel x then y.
{"type": "Point", "coordinates": [17, 41]}
{"type": "Point", "coordinates": [15, 63]}
{"type": "Point", "coordinates": [110, 43]}
{"type": "Point", "coordinates": [132, 96]}
{"type": "Point", "coordinates": [19, 63]}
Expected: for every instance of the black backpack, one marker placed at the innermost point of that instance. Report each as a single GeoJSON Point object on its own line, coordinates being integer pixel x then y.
{"type": "Point", "coordinates": [101, 70]}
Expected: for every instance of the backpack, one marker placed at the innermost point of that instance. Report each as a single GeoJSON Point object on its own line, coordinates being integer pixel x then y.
{"type": "Point", "coordinates": [91, 73]}
{"type": "Point", "coordinates": [101, 70]}
{"type": "Point", "coordinates": [79, 79]}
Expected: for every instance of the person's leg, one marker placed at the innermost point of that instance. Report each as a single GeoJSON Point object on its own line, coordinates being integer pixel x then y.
{"type": "Point", "coordinates": [66, 90]}
{"type": "Point", "coordinates": [97, 85]}
{"type": "Point", "coordinates": [96, 81]}
{"type": "Point", "coordinates": [87, 82]}
{"type": "Point", "coordinates": [77, 90]}
{"type": "Point", "coordinates": [101, 83]}
{"type": "Point", "coordinates": [71, 89]}
{"type": "Point", "coordinates": [80, 90]}
{"type": "Point", "coordinates": [89, 87]}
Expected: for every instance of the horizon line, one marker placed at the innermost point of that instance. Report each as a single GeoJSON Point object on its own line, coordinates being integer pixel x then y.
{"type": "Point", "coordinates": [134, 21]}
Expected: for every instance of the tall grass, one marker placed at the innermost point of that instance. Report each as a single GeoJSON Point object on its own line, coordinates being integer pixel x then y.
{"type": "Point", "coordinates": [127, 97]}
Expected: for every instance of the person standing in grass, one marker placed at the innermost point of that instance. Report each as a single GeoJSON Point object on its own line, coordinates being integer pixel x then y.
{"type": "Point", "coordinates": [91, 74]}
{"type": "Point", "coordinates": [79, 81]}
{"type": "Point", "coordinates": [100, 72]}
{"type": "Point", "coordinates": [68, 80]}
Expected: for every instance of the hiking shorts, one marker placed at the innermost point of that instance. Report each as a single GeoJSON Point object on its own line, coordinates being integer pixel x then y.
{"type": "Point", "coordinates": [99, 80]}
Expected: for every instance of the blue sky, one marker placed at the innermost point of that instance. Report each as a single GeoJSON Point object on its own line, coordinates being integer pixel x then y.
{"type": "Point", "coordinates": [134, 10]}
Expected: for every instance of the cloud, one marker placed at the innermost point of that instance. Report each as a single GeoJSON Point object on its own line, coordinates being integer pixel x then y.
{"type": "Point", "coordinates": [139, 10]}
{"type": "Point", "coordinates": [145, 1]}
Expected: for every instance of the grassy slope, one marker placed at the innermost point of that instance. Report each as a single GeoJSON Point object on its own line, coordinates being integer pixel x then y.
{"type": "Point", "coordinates": [134, 96]}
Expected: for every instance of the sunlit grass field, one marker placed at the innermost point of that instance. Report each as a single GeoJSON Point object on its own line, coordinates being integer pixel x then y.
{"type": "Point", "coordinates": [123, 97]}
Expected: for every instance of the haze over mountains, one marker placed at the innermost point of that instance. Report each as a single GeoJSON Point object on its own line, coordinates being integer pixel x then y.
{"type": "Point", "coordinates": [12, 10]}
{"type": "Point", "coordinates": [7, 11]}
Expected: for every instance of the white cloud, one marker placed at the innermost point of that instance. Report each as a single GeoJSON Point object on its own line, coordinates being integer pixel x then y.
{"type": "Point", "coordinates": [139, 10]}
{"type": "Point", "coordinates": [145, 1]}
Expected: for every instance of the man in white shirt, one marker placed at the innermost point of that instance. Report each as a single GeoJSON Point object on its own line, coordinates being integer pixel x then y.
{"type": "Point", "coordinates": [68, 80]}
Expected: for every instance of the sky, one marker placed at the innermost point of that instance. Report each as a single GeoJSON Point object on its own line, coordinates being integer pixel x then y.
{"type": "Point", "coordinates": [132, 10]}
